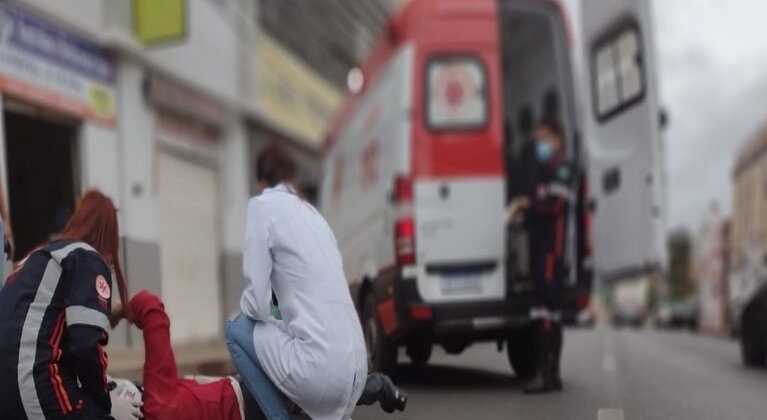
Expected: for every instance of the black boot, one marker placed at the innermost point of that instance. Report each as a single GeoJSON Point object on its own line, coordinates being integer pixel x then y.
{"type": "Point", "coordinates": [556, 356]}
{"type": "Point", "coordinates": [379, 387]}
{"type": "Point", "coordinates": [541, 382]}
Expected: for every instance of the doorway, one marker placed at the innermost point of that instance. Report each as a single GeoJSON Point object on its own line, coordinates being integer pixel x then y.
{"type": "Point", "coordinates": [40, 155]}
{"type": "Point", "coordinates": [537, 86]}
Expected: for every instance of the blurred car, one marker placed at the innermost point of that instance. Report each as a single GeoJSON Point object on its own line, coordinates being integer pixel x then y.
{"type": "Point", "coordinates": [663, 316]}
{"type": "Point", "coordinates": [586, 319]}
{"type": "Point", "coordinates": [583, 319]}
{"type": "Point", "coordinates": [753, 329]}
{"type": "Point", "coordinates": [628, 316]}
{"type": "Point", "coordinates": [683, 314]}
{"type": "Point", "coordinates": [744, 284]}
{"type": "Point", "coordinates": [735, 312]}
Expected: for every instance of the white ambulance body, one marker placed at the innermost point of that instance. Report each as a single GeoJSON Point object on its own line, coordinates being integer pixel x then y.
{"type": "Point", "coordinates": [420, 164]}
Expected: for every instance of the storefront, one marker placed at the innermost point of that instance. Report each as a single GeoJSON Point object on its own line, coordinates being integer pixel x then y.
{"type": "Point", "coordinates": [294, 107]}
{"type": "Point", "coordinates": [58, 123]}
{"type": "Point", "coordinates": [188, 134]}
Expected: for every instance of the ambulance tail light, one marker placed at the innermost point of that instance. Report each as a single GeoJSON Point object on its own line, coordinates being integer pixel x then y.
{"type": "Point", "coordinates": [404, 241]}
{"type": "Point", "coordinates": [404, 225]}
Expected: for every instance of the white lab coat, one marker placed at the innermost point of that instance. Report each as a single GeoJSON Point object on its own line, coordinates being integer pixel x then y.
{"type": "Point", "coordinates": [316, 355]}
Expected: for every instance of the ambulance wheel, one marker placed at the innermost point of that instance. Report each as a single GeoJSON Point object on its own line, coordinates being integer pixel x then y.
{"type": "Point", "coordinates": [520, 349]}
{"type": "Point", "coordinates": [382, 354]}
{"type": "Point", "coordinates": [419, 352]}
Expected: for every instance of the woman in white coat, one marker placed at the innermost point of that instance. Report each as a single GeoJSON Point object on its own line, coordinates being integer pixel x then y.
{"type": "Point", "coordinates": [315, 355]}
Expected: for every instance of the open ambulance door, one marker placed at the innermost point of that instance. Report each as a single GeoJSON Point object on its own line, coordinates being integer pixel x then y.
{"type": "Point", "coordinates": [622, 138]}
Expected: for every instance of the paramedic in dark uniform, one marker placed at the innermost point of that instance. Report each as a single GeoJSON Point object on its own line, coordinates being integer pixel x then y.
{"type": "Point", "coordinates": [546, 219]}
{"type": "Point", "coordinates": [54, 316]}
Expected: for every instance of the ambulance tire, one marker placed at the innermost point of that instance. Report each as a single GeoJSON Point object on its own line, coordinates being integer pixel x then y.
{"type": "Point", "coordinates": [382, 354]}
{"type": "Point", "coordinates": [419, 352]}
{"type": "Point", "coordinates": [520, 349]}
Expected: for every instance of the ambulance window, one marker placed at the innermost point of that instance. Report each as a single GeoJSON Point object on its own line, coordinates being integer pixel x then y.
{"type": "Point", "coordinates": [456, 93]}
{"type": "Point", "coordinates": [618, 77]}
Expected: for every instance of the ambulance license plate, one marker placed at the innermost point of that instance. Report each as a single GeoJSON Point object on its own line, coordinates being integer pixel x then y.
{"type": "Point", "coordinates": [461, 283]}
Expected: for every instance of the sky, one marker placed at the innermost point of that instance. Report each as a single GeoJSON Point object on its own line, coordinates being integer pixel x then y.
{"type": "Point", "coordinates": [713, 82]}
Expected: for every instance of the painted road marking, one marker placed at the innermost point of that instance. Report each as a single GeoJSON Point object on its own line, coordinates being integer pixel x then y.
{"type": "Point", "coordinates": [609, 343]}
{"type": "Point", "coordinates": [610, 414]}
{"type": "Point", "coordinates": [608, 363]}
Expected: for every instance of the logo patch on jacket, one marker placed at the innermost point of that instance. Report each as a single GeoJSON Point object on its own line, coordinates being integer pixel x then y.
{"type": "Point", "coordinates": [102, 287]}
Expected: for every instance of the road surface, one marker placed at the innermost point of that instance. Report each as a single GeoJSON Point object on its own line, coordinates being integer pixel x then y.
{"type": "Point", "coordinates": [608, 375]}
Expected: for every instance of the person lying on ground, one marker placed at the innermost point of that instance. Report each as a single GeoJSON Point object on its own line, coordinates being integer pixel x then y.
{"type": "Point", "coordinates": [166, 396]}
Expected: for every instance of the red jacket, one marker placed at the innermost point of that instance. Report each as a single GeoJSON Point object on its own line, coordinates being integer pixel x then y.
{"type": "Point", "coordinates": [166, 396]}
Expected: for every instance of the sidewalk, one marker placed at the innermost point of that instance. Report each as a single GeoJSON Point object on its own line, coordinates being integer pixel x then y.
{"type": "Point", "coordinates": [211, 358]}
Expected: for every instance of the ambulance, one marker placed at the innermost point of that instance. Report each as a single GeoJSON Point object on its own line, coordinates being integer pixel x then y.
{"type": "Point", "coordinates": [422, 161]}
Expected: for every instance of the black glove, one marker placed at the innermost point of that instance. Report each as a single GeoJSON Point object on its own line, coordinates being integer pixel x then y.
{"type": "Point", "coordinates": [379, 387]}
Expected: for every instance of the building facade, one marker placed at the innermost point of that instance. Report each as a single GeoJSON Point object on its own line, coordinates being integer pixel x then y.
{"type": "Point", "coordinates": [748, 229]}
{"type": "Point", "coordinates": [749, 202]}
{"type": "Point", "coordinates": [711, 269]}
{"type": "Point", "coordinates": [167, 130]}
{"type": "Point", "coordinates": [330, 36]}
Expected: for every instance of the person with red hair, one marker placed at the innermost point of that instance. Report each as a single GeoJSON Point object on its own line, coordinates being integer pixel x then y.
{"type": "Point", "coordinates": [55, 311]}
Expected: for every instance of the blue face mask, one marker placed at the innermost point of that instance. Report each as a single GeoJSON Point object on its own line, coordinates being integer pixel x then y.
{"type": "Point", "coordinates": [544, 151]}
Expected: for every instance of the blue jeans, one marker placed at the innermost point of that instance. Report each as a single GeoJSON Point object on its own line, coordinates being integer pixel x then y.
{"type": "Point", "coordinates": [239, 338]}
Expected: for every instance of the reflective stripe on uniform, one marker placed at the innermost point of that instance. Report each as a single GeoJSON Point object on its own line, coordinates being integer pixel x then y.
{"type": "Point", "coordinates": [81, 315]}
{"type": "Point", "coordinates": [560, 190]}
{"type": "Point", "coordinates": [540, 313]}
{"type": "Point", "coordinates": [31, 330]}
{"type": "Point", "coordinates": [28, 342]}
{"type": "Point", "coordinates": [59, 254]}
{"type": "Point", "coordinates": [56, 382]}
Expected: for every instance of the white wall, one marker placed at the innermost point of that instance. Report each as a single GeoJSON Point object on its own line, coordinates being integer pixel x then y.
{"type": "Point", "coordinates": [235, 186]}
{"type": "Point", "coordinates": [208, 57]}
{"type": "Point", "coordinates": [87, 15]}
{"type": "Point", "coordinates": [138, 154]}
{"type": "Point", "coordinates": [99, 158]}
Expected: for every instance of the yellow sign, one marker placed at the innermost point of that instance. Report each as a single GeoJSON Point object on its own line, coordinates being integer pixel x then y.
{"type": "Point", "coordinates": [101, 101]}
{"type": "Point", "coordinates": [157, 21]}
{"type": "Point", "coordinates": [292, 95]}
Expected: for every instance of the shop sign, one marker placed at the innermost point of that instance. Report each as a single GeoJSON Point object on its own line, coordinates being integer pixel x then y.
{"type": "Point", "coordinates": [171, 96]}
{"type": "Point", "coordinates": [45, 65]}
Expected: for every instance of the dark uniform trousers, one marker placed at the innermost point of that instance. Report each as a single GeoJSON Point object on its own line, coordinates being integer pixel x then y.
{"type": "Point", "coordinates": [547, 225]}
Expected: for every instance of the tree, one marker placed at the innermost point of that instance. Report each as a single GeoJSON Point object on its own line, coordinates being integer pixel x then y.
{"type": "Point", "coordinates": [680, 282]}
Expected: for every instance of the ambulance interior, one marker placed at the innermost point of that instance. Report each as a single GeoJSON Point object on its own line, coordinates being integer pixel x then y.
{"type": "Point", "coordinates": [534, 59]}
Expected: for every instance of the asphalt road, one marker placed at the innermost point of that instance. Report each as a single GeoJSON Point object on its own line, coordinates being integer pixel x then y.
{"type": "Point", "coordinates": [608, 375]}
